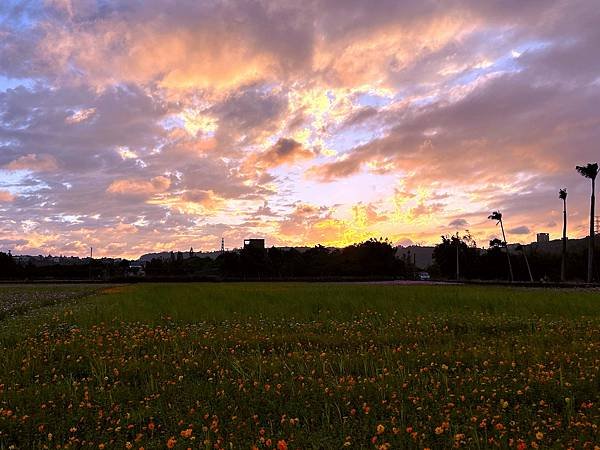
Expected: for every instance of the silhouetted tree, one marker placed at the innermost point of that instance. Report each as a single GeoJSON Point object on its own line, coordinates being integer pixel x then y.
{"type": "Point", "coordinates": [590, 171]}
{"type": "Point", "coordinates": [445, 256]}
{"type": "Point", "coordinates": [492, 264]}
{"type": "Point", "coordinates": [497, 215]}
{"type": "Point", "coordinates": [562, 194]}
{"type": "Point", "coordinates": [8, 267]}
{"type": "Point", "coordinates": [372, 258]}
{"type": "Point", "coordinates": [230, 264]}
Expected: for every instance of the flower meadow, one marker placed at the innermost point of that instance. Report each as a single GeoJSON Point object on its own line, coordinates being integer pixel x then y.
{"type": "Point", "coordinates": [18, 299]}
{"type": "Point", "coordinates": [301, 366]}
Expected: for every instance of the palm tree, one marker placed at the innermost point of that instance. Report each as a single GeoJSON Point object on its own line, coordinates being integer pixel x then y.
{"type": "Point", "coordinates": [590, 171]}
{"type": "Point", "coordinates": [497, 215]}
{"type": "Point", "coordinates": [562, 194]}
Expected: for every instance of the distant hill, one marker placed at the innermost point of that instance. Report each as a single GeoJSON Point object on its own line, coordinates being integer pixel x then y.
{"type": "Point", "coordinates": [165, 256]}
{"type": "Point", "coordinates": [555, 245]}
{"type": "Point", "coordinates": [422, 256]}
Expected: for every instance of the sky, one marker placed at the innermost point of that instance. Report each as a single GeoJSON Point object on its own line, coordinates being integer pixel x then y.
{"type": "Point", "coordinates": [151, 125]}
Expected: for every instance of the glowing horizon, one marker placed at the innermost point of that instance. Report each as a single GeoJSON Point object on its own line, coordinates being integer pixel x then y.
{"type": "Point", "coordinates": [137, 127]}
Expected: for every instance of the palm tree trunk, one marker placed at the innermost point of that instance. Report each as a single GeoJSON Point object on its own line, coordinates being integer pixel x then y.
{"type": "Point", "coordinates": [510, 272]}
{"type": "Point", "coordinates": [590, 274]}
{"type": "Point", "coordinates": [563, 265]}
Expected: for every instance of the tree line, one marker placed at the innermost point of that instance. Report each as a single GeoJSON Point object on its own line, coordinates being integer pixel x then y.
{"type": "Point", "coordinates": [90, 269]}
{"type": "Point", "coordinates": [528, 263]}
{"type": "Point", "coordinates": [374, 258]}
{"type": "Point", "coordinates": [455, 251]}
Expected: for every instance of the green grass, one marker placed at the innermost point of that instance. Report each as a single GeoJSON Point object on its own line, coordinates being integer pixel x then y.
{"type": "Point", "coordinates": [311, 365]}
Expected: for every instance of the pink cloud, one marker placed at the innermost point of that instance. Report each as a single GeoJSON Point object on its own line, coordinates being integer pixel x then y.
{"type": "Point", "coordinates": [34, 162]}
{"type": "Point", "coordinates": [6, 197]}
{"type": "Point", "coordinates": [139, 187]}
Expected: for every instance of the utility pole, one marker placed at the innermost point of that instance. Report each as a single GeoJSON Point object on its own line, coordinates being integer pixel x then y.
{"type": "Point", "coordinates": [222, 245]}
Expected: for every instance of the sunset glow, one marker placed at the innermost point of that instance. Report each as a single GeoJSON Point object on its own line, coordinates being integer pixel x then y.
{"type": "Point", "coordinates": [156, 125]}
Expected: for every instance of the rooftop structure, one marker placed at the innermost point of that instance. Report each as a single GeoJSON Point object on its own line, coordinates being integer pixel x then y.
{"type": "Point", "coordinates": [543, 238]}
{"type": "Point", "coordinates": [258, 244]}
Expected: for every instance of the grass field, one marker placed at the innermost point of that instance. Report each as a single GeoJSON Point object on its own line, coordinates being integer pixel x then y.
{"type": "Point", "coordinates": [299, 366]}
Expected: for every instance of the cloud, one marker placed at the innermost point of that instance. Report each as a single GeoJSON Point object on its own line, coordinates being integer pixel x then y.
{"type": "Point", "coordinates": [248, 114]}
{"type": "Point", "coordinates": [179, 46]}
{"type": "Point", "coordinates": [139, 187]}
{"type": "Point", "coordinates": [36, 163]}
{"type": "Point", "coordinates": [147, 125]}
{"type": "Point", "coordinates": [207, 199]}
{"type": "Point", "coordinates": [367, 215]}
{"type": "Point", "coordinates": [80, 116]}
{"type": "Point", "coordinates": [520, 230]}
{"type": "Point", "coordinates": [6, 197]}
{"type": "Point", "coordinates": [459, 223]}
{"type": "Point", "coordinates": [284, 151]}
{"type": "Point", "coordinates": [311, 224]}
{"type": "Point", "coordinates": [13, 242]}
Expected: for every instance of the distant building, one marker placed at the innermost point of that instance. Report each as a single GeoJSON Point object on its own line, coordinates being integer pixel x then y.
{"type": "Point", "coordinates": [258, 244]}
{"type": "Point", "coordinates": [543, 238]}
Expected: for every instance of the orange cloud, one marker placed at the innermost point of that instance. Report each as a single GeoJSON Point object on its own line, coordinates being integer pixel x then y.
{"type": "Point", "coordinates": [33, 162]}
{"type": "Point", "coordinates": [6, 197]}
{"type": "Point", "coordinates": [207, 199]}
{"type": "Point", "coordinates": [356, 60]}
{"type": "Point", "coordinates": [366, 215]}
{"type": "Point", "coordinates": [210, 56]}
{"type": "Point", "coordinates": [138, 187]}
{"type": "Point", "coordinates": [309, 224]}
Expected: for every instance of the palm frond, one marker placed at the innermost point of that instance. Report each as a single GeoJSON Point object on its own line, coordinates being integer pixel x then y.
{"type": "Point", "coordinates": [496, 215]}
{"type": "Point", "coordinates": [562, 194]}
{"type": "Point", "coordinates": [588, 171]}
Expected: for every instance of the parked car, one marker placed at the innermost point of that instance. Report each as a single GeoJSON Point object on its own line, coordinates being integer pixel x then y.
{"type": "Point", "coordinates": [423, 276]}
